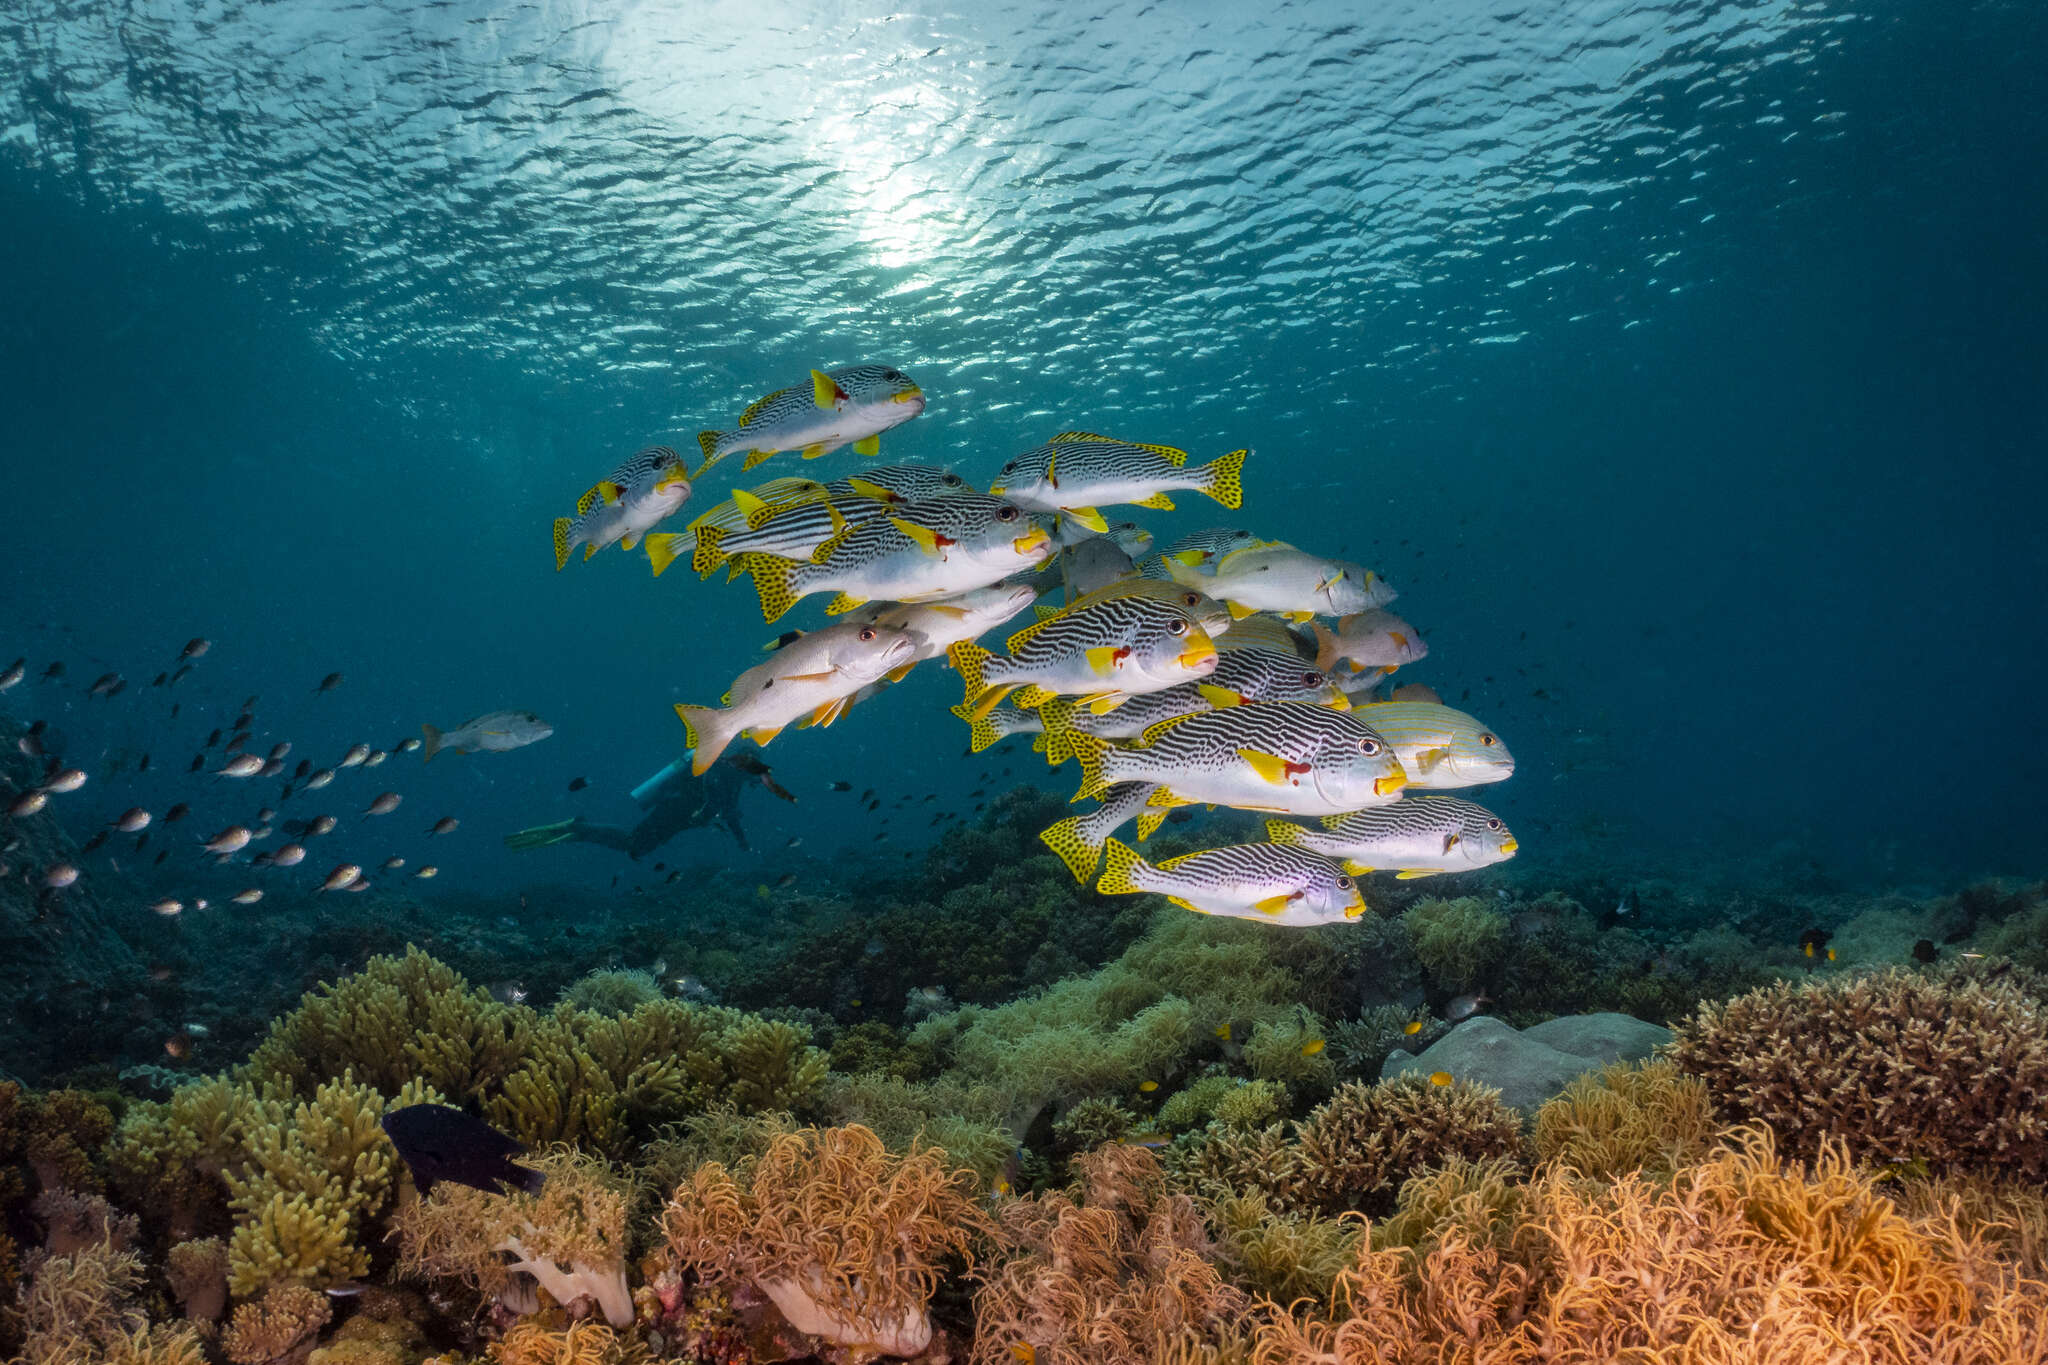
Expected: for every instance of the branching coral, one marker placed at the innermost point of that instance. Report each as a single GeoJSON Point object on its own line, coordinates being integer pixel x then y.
{"type": "Point", "coordinates": [52, 1137]}
{"type": "Point", "coordinates": [1292, 1051]}
{"type": "Point", "coordinates": [846, 1238]}
{"type": "Point", "coordinates": [1895, 1064]}
{"type": "Point", "coordinates": [570, 1238]}
{"type": "Point", "coordinates": [1734, 1259]}
{"type": "Point", "coordinates": [1111, 1274]}
{"type": "Point", "coordinates": [284, 1318]}
{"type": "Point", "coordinates": [1091, 1123]}
{"type": "Point", "coordinates": [1627, 1117]}
{"type": "Point", "coordinates": [613, 991]}
{"type": "Point", "coordinates": [1352, 1152]}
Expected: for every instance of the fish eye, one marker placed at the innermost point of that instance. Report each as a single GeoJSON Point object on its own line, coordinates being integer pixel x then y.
{"type": "Point", "coordinates": [1488, 740]}
{"type": "Point", "coordinates": [1369, 746]}
{"type": "Point", "coordinates": [894, 374]}
{"type": "Point", "coordinates": [867, 633]}
{"type": "Point", "coordinates": [1343, 883]}
{"type": "Point", "coordinates": [1006, 513]}
{"type": "Point", "coordinates": [1311, 679]}
{"type": "Point", "coordinates": [950, 480]}
{"type": "Point", "coordinates": [1178, 628]}
{"type": "Point", "coordinates": [1009, 468]}
{"type": "Point", "coordinates": [1494, 823]}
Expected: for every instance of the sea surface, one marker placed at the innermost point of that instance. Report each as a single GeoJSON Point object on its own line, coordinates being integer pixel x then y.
{"type": "Point", "coordinates": [1680, 365]}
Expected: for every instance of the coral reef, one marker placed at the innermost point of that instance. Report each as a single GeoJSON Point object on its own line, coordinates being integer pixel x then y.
{"type": "Point", "coordinates": [847, 1239]}
{"type": "Point", "coordinates": [1898, 1066]}
{"type": "Point", "coordinates": [613, 990]}
{"type": "Point", "coordinates": [272, 1327]}
{"type": "Point", "coordinates": [1735, 1258]}
{"type": "Point", "coordinates": [49, 1140]}
{"type": "Point", "coordinates": [71, 1220]}
{"type": "Point", "coordinates": [570, 1239]}
{"type": "Point", "coordinates": [1113, 1272]}
{"type": "Point", "coordinates": [964, 1121]}
{"type": "Point", "coordinates": [198, 1275]}
{"type": "Point", "coordinates": [1457, 941]}
{"type": "Point", "coordinates": [1628, 1117]}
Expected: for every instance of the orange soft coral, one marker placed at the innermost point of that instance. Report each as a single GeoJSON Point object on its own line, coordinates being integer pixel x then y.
{"type": "Point", "coordinates": [1111, 1274]}
{"type": "Point", "coordinates": [845, 1237]}
{"type": "Point", "coordinates": [1737, 1259]}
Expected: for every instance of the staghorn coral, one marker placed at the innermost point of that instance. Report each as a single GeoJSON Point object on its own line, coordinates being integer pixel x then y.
{"type": "Point", "coordinates": [1114, 1272]}
{"type": "Point", "coordinates": [1895, 1064]}
{"type": "Point", "coordinates": [1195, 1103]}
{"type": "Point", "coordinates": [1626, 1117]}
{"type": "Point", "coordinates": [1091, 1123]}
{"type": "Point", "coordinates": [1252, 1104]}
{"type": "Point", "coordinates": [570, 1238]}
{"type": "Point", "coordinates": [1737, 1259]}
{"type": "Point", "coordinates": [846, 1238]}
{"type": "Point", "coordinates": [198, 1274]}
{"type": "Point", "coordinates": [274, 1326]}
{"type": "Point", "coordinates": [1456, 941]}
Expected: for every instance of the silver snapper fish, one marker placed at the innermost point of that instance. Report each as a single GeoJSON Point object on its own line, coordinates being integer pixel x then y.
{"type": "Point", "coordinates": [1242, 677]}
{"type": "Point", "coordinates": [937, 626]}
{"type": "Point", "coordinates": [1078, 471]}
{"type": "Point", "coordinates": [1269, 882]}
{"type": "Point", "coordinates": [1371, 639]}
{"type": "Point", "coordinates": [1288, 758]}
{"type": "Point", "coordinates": [1417, 836]}
{"type": "Point", "coordinates": [1275, 576]}
{"type": "Point", "coordinates": [918, 552]}
{"type": "Point", "coordinates": [493, 733]}
{"type": "Point", "coordinates": [852, 403]}
{"type": "Point", "coordinates": [1441, 748]}
{"type": "Point", "coordinates": [1104, 650]}
{"type": "Point", "coordinates": [638, 496]}
{"type": "Point", "coordinates": [810, 680]}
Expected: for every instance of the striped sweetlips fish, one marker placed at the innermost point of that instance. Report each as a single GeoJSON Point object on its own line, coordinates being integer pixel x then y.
{"type": "Point", "coordinates": [1441, 747]}
{"type": "Point", "coordinates": [1242, 677]}
{"type": "Point", "coordinates": [635, 498]}
{"type": "Point", "coordinates": [938, 626]}
{"type": "Point", "coordinates": [853, 403]}
{"type": "Point", "coordinates": [1275, 576]}
{"type": "Point", "coordinates": [1199, 550]}
{"type": "Point", "coordinates": [811, 525]}
{"type": "Point", "coordinates": [915, 552]}
{"type": "Point", "coordinates": [663, 547]}
{"type": "Point", "coordinates": [1288, 758]}
{"type": "Point", "coordinates": [1275, 883]}
{"type": "Point", "coordinates": [1078, 471]}
{"type": "Point", "coordinates": [1103, 649]}
{"type": "Point", "coordinates": [1417, 836]}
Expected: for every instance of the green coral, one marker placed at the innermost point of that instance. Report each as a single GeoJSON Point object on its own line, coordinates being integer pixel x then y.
{"type": "Point", "coordinates": [1457, 941]}
{"type": "Point", "coordinates": [612, 990]}
{"type": "Point", "coordinates": [1195, 1103]}
{"type": "Point", "coordinates": [1092, 1122]}
{"type": "Point", "coordinates": [1252, 1104]}
{"type": "Point", "coordinates": [50, 1140]}
{"type": "Point", "coordinates": [1282, 1255]}
{"type": "Point", "coordinates": [1291, 1050]}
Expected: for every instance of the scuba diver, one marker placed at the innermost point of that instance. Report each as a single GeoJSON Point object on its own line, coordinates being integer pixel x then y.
{"type": "Point", "coordinates": [673, 802]}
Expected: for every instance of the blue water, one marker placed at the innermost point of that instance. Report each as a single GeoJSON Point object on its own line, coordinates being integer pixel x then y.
{"type": "Point", "coordinates": [1679, 364]}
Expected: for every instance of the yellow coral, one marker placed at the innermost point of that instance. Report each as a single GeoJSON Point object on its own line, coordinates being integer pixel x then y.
{"type": "Point", "coordinates": [1644, 1116]}
{"type": "Point", "coordinates": [845, 1237]}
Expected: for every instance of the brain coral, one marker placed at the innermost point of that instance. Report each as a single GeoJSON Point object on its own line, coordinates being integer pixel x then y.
{"type": "Point", "coordinates": [1896, 1064]}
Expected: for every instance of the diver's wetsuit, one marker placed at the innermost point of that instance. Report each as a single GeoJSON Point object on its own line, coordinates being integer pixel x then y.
{"type": "Point", "coordinates": [674, 801]}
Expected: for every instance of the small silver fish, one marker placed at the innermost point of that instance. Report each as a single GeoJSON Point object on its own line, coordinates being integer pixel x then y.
{"type": "Point", "coordinates": [59, 875]}
{"type": "Point", "coordinates": [406, 746]}
{"type": "Point", "coordinates": [445, 825]}
{"type": "Point", "coordinates": [132, 819]}
{"type": "Point", "coordinates": [28, 803]}
{"type": "Point", "coordinates": [344, 874]}
{"type": "Point", "coordinates": [319, 779]}
{"type": "Point", "coordinates": [70, 780]}
{"type": "Point", "coordinates": [242, 765]}
{"type": "Point", "coordinates": [428, 871]}
{"type": "Point", "coordinates": [230, 840]}
{"type": "Point", "coordinates": [374, 757]}
{"type": "Point", "coordinates": [291, 855]}
{"type": "Point", "coordinates": [355, 755]}
{"type": "Point", "coordinates": [248, 897]}
{"type": "Point", "coordinates": [385, 803]}
{"type": "Point", "coordinates": [168, 906]}
{"type": "Point", "coordinates": [393, 863]}
{"type": "Point", "coordinates": [320, 824]}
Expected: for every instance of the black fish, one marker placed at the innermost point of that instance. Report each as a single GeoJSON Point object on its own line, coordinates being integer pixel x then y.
{"type": "Point", "coordinates": [840, 787]}
{"type": "Point", "coordinates": [329, 683]}
{"type": "Point", "coordinates": [213, 739]}
{"type": "Point", "coordinates": [90, 844]}
{"type": "Point", "coordinates": [305, 766]}
{"type": "Point", "coordinates": [161, 679]}
{"type": "Point", "coordinates": [55, 670]}
{"type": "Point", "coordinates": [439, 1142]}
{"type": "Point", "coordinates": [198, 762]}
{"type": "Point", "coordinates": [174, 709]}
{"type": "Point", "coordinates": [1925, 951]}
{"type": "Point", "coordinates": [577, 784]}
{"type": "Point", "coordinates": [176, 813]}
{"type": "Point", "coordinates": [161, 856]}
{"type": "Point", "coordinates": [142, 765]}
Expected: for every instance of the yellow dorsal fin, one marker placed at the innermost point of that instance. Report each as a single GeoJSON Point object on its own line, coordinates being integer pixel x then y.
{"type": "Point", "coordinates": [1068, 437]}
{"type": "Point", "coordinates": [1090, 518]}
{"type": "Point", "coordinates": [1021, 636]}
{"type": "Point", "coordinates": [586, 502]}
{"type": "Point", "coordinates": [755, 408]}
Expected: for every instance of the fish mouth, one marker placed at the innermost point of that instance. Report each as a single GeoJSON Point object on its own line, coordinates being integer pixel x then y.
{"type": "Point", "coordinates": [1340, 703]}
{"type": "Point", "coordinates": [1508, 846]}
{"type": "Point", "coordinates": [1194, 656]}
{"type": "Point", "coordinates": [1031, 541]}
{"type": "Point", "coordinates": [1391, 783]}
{"type": "Point", "coordinates": [913, 394]}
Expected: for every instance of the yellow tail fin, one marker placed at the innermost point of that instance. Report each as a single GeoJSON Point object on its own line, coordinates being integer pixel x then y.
{"type": "Point", "coordinates": [662, 550]}
{"type": "Point", "coordinates": [1226, 479]}
{"type": "Point", "coordinates": [1066, 838]}
{"type": "Point", "coordinates": [561, 542]}
{"type": "Point", "coordinates": [1090, 750]}
{"type": "Point", "coordinates": [1119, 878]}
{"type": "Point", "coordinates": [704, 727]}
{"type": "Point", "coordinates": [970, 660]}
{"type": "Point", "coordinates": [707, 441]}
{"type": "Point", "coordinates": [981, 733]}
{"type": "Point", "coordinates": [774, 580]}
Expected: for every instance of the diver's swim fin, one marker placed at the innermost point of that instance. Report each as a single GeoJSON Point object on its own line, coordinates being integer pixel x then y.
{"type": "Point", "coordinates": [540, 836]}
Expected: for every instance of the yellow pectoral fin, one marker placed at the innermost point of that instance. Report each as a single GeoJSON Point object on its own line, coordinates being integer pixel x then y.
{"type": "Point", "coordinates": [1270, 767]}
{"type": "Point", "coordinates": [1428, 759]}
{"type": "Point", "coordinates": [1194, 559]}
{"type": "Point", "coordinates": [825, 390]}
{"type": "Point", "coordinates": [1238, 610]}
{"type": "Point", "coordinates": [1299, 617]}
{"type": "Point", "coordinates": [868, 445]}
{"type": "Point", "coordinates": [1105, 703]}
{"type": "Point", "coordinates": [749, 506]}
{"type": "Point", "coordinates": [630, 541]}
{"type": "Point", "coordinates": [1273, 905]}
{"type": "Point", "coordinates": [1187, 905]}
{"type": "Point", "coordinates": [1411, 873]}
{"type": "Point", "coordinates": [870, 490]}
{"type": "Point", "coordinates": [926, 538]}
{"type": "Point", "coordinates": [610, 492]}
{"type": "Point", "coordinates": [1219, 697]}
{"type": "Point", "coordinates": [1088, 517]}
{"type": "Point", "coordinates": [815, 449]}
{"type": "Point", "coordinates": [829, 712]}
{"type": "Point", "coordinates": [1158, 501]}
{"type": "Point", "coordinates": [1102, 660]}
